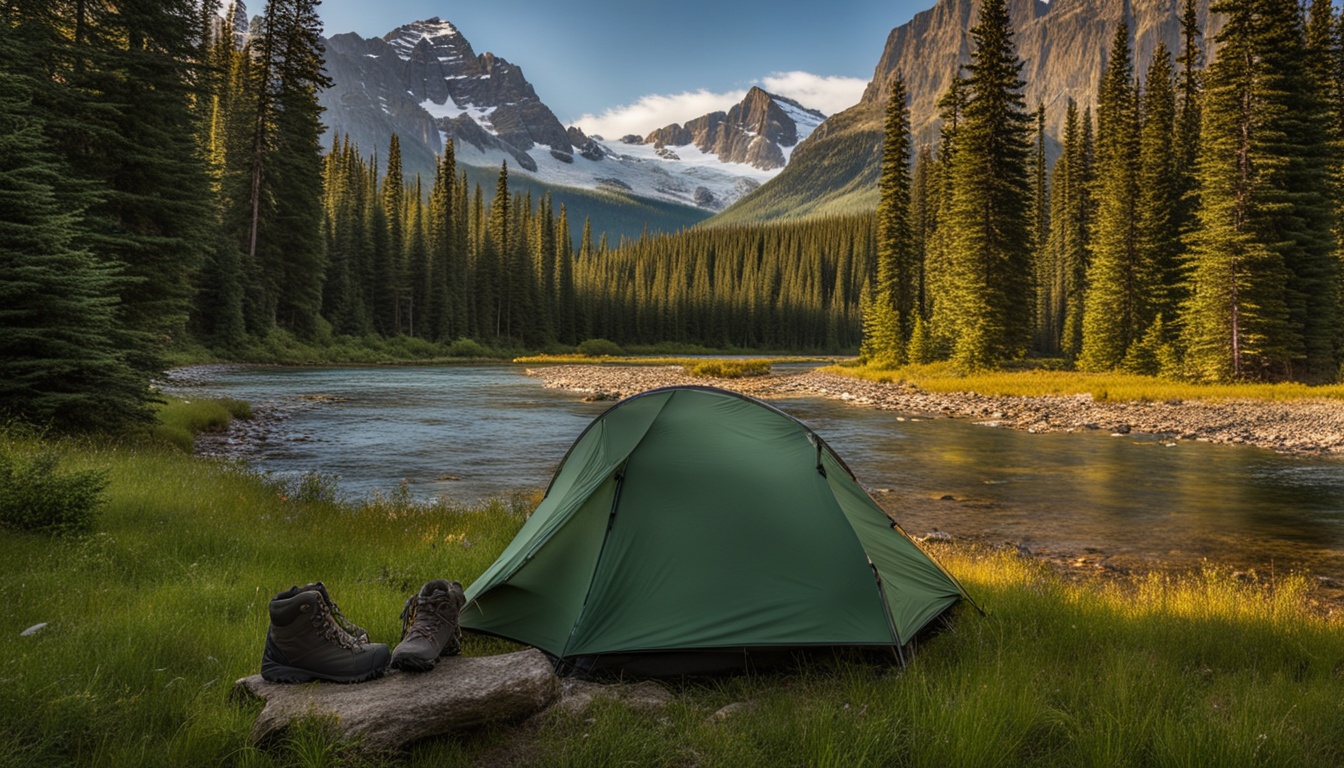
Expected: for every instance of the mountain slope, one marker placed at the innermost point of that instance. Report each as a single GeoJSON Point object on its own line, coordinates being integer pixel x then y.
{"type": "Point", "coordinates": [1062, 44]}
{"type": "Point", "coordinates": [424, 82]}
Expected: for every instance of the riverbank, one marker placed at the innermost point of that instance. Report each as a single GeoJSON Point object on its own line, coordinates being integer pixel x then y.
{"type": "Point", "coordinates": [1307, 427]}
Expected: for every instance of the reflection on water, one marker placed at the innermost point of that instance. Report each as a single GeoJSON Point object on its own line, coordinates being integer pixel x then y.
{"type": "Point", "coordinates": [472, 432]}
{"type": "Point", "coordinates": [1123, 495]}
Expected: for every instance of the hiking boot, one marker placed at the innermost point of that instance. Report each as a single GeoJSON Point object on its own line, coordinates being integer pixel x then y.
{"type": "Point", "coordinates": [306, 641]}
{"type": "Point", "coordinates": [429, 627]}
{"type": "Point", "coordinates": [353, 629]}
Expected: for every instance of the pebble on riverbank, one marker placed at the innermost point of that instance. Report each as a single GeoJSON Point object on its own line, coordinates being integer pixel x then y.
{"type": "Point", "coordinates": [1295, 427]}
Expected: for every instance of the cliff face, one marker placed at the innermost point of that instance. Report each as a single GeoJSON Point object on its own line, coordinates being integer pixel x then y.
{"type": "Point", "coordinates": [424, 82]}
{"type": "Point", "coordinates": [1063, 46]}
{"type": "Point", "coordinates": [755, 132]}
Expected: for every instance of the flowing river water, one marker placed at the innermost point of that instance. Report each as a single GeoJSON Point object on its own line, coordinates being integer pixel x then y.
{"type": "Point", "coordinates": [474, 432]}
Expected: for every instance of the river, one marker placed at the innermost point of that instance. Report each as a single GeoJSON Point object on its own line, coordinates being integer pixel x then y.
{"type": "Point", "coordinates": [474, 432]}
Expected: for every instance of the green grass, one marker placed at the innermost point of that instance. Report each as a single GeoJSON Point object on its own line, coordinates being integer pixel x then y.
{"type": "Point", "coordinates": [1119, 387]}
{"type": "Point", "coordinates": [727, 369]}
{"type": "Point", "coordinates": [155, 614]}
{"type": "Point", "coordinates": [180, 420]}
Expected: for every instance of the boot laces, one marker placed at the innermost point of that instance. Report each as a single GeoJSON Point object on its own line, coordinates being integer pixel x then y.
{"type": "Point", "coordinates": [332, 624]}
{"type": "Point", "coordinates": [424, 616]}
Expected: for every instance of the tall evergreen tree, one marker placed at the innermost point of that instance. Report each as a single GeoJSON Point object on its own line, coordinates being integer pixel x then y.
{"type": "Point", "coordinates": [1116, 289]}
{"type": "Point", "coordinates": [296, 247]}
{"type": "Point", "coordinates": [991, 197]}
{"type": "Point", "coordinates": [64, 358]}
{"type": "Point", "coordinates": [1159, 235]}
{"type": "Point", "coordinates": [892, 302]}
{"type": "Point", "coordinates": [1264, 301]}
{"type": "Point", "coordinates": [1040, 233]}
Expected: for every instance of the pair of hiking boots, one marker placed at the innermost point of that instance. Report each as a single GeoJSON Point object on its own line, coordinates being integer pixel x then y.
{"type": "Point", "coordinates": [310, 639]}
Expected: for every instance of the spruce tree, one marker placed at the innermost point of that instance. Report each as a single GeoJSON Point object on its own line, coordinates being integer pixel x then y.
{"type": "Point", "coordinates": [390, 270]}
{"type": "Point", "coordinates": [64, 356]}
{"type": "Point", "coordinates": [990, 260]}
{"type": "Point", "coordinates": [295, 244]}
{"type": "Point", "coordinates": [1264, 281]}
{"type": "Point", "coordinates": [1116, 291]}
{"type": "Point", "coordinates": [892, 300]}
{"type": "Point", "coordinates": [1040, 234]}
{"type": "Point", "coordinates": [1159, 235]}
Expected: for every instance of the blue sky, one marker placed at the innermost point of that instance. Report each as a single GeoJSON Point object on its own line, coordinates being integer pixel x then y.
{"type": "Point", "coordinates": [629, 66]}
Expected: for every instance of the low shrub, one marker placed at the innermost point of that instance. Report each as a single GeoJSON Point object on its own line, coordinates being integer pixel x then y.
{"type": "Point", "coordinates": [600, 348]}
{"type": "Point", "coordinates": [35, 496]}
{"type": "Point", "coordinates": [727, 369]}
{"type": "Point", "coordinates": [470, 348]}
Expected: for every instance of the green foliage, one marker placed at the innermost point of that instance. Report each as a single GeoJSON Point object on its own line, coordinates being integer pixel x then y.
{"type": "Point", "coordinates": [989, 271]}
{"type": "Point", "coordinates": [470, 348]}
{"type": "Point", "coordinates": [727, 369]}
{"type": "Point", "coordinates": [1118, 282]}
{"type": "Point", "coordinates": [890, 303]}
{"type": "Point", "coordinates": [179, 420]}
{"type": "Point", "coordinates": [599, 348]}
{"type": "Point", "coordinates": [36, 496]}
{"type": "Point", "coordinates": [66, 358]}
{"type": "Point", "coordinates": [1264, 275]}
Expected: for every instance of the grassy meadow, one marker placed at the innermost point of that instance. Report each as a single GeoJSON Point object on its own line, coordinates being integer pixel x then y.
{"type": "Point", "coordinates": [154, 612]}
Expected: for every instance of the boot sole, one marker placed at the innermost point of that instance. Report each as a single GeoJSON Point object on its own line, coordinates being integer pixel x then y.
{"type": "Point", "coordinates": [412, 664]}
{"type": "Point", "coordinates": [283, 673]}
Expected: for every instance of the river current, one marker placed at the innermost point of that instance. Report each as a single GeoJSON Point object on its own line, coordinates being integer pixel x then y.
{"type": "Point", "coordinates": [471, 433]}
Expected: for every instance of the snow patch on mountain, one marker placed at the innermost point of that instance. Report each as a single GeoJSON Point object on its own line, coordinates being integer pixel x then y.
{"type": "Point", "coordinates": [450, 110]}
{"type": "Point", "coordinates": [689, 177]}
{"type": "Point", "coordinates": [410, 35]}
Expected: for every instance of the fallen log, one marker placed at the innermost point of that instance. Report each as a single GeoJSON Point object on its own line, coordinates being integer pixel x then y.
{"type": "Point", "coordinates": [387, 714]}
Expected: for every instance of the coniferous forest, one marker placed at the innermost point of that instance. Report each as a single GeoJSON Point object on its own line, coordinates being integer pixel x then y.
{"type": "Point", "coordinates": [165, 182]}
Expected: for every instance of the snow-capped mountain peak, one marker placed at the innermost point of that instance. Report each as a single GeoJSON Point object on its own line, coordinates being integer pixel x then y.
{"type": "Point", "coordinates": [424, 82]}
{"type": "Point", "coordinates": [440, 34]}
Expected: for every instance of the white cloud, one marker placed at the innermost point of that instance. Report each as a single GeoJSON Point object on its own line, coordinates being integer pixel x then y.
{"type": "Point", "coordinates": [827, 94]}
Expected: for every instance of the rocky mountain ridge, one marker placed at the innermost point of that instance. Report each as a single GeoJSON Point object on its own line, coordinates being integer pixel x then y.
{"type": "Point", "coordinates": [424, 82]}
{"type": "Point", "coordinates": [755, 132]}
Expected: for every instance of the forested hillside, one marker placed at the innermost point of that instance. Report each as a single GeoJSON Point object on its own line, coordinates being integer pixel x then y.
{"type": "Point", "coordinates": [163, 186]}
{"type": "Point", "coordinates": [1191, 230]}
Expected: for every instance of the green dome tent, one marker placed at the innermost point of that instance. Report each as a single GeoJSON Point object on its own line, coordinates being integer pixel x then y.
{"type": "Point", "coordinates": [690, 529]}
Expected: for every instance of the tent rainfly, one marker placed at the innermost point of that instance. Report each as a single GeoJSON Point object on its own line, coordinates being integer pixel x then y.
{"type": "Point", "coordinates": [693, 529]}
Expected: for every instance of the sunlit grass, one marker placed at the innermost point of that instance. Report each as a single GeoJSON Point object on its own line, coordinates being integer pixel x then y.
{"type": "Point", "coordinates": [945, 377]}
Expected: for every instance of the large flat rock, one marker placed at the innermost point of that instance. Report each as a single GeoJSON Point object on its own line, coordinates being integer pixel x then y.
{"type": "Point", "coordinates": [399, 708]}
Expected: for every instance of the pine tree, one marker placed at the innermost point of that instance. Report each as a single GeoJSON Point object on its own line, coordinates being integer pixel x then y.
{"type": "Point", "coordinates": [390, 271]}
{"type": "Point", "coordinates": [939, 299]}
{"type": "Point", "coordinates": [295, 242]}
{"type": "Point", "coordinates": [1113, 303]}
{"type": "Point", "coordinates": [990, 260]}
{"type": "Point", "coordinates": [64, 359]}
{"type": "Point", "coordinates": [1040, 235]}
{"type": "Point", "coordinates": [1189, 114]}
{"type": "Point", "coordinates": [891, 305]}
{"type": "Point", "coordinates": [1264, 301]}
{"type": "Point", "coordinates": [1159, 236]}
